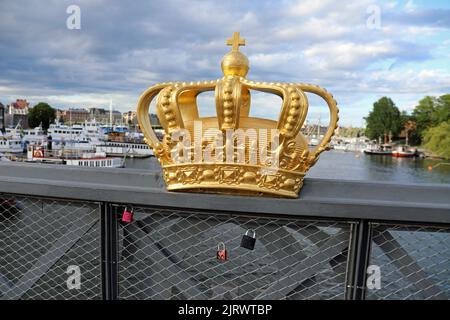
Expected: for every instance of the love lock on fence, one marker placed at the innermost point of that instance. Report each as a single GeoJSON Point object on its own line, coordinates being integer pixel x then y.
{"type": "Point", "coordinates": [127, 216]}
{"type": "Point", "coordinates": [222, 254]}
{"type": "Point", "coordinates": [248, 242]}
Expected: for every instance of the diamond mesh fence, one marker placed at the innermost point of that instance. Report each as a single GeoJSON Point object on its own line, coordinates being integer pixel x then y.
{"type": "Point", "coordinates": [43, 242]}
{"type": "Point", "coordinates": [414, 262]}
{"type": "Point", "coordinates": [170, 254]}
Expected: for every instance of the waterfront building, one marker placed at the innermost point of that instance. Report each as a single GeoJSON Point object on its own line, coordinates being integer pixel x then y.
{"type": "Point", "coordinates": [2, 117]}
{"type": "Point", "coordinates": [154, 121]}
{"type": "Point", "coordinates": [74, 115]}
{"type": "Point", "coordinates": [17, 112]}
{"type": "Point", "coordinates": [129, 118]}
{"type": "Point", "coordinates": [102, 115]}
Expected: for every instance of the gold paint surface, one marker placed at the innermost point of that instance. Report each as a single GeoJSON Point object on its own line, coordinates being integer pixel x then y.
{"type": "Point", "coordinates": [176, 108]}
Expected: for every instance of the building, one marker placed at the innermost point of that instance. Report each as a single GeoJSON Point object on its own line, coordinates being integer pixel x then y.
{"type": "Point", "coordinates": [21, 106]}
{"type": "Point", "coordinates": [73, 115]}
{"type": "Point", "coordinates": [2, 117]}
{"type": "Point", "coordinates": [99, 114]}
{"type": "Point", "coordinates": [59, 115]}
{"type": "Point", "coordinates": [103, 116]}
{"type": "Point", "coordinates": [129, 118]}
{"type": "Point", "coordinates": [117, 117]}
{"type": "Point", "coordinates": [154, 121]}
{"type": "Point", "coordinates": [17, 113]}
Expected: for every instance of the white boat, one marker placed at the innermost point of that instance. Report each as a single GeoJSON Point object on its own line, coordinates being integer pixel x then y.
{"type": "Point", "coordinates": [60, 131]}
{"type": "Point", "coordinates": [95, 160]}
{"type": "Point", "coordinates": [128, 149]}
{"type": "Point", "coordinates": [92, 129]}
{"type": "Point", "coordinates": [10, 144]}
{"type": "Point", "coordinates": [13, 132]}
{"type": "Point", "coordinates": [120, 144]}
{"type": "Point", "coordinates": [376, 149]}
{"type": "Point", "coordinates": [76, 137]}
{"type": "Point", "coordinates": [353, 144]}
{"type": "Point", "coordinates": [341, 146]}
{"type": "Point", "coordinates": [35, 135]}
{"type": "Point", "coordinates": [37, 153]}
{"type": "Point", "coordinates": [313, 141]}
{"type": "Point", "coordinates": [81, 144]}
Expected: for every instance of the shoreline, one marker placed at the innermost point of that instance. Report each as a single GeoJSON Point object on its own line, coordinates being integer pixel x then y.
{"type": "Point", "coordinates": [430, 155]}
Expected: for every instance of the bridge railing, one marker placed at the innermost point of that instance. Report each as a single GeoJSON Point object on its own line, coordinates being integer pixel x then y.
{"type": "Point", "coordinates": [339, 240]}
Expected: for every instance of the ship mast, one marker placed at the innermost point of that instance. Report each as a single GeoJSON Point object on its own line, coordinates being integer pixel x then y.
{"type": "Point", "coordinates": [110, 113]}
{"type": "Point", "coordinates": [318, 129]}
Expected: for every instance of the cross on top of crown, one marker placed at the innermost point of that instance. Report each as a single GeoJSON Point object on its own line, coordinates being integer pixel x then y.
{"type": "Point", "coordinates": [235, 41]}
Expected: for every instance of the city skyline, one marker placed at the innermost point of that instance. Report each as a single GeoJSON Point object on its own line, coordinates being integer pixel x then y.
{"type": "Point", "coordinates": [121, 50]}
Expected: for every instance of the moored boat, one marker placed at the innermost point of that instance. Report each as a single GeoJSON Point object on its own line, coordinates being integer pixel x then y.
{"type": "Point", "coordinates": [404, 152]}
{"type": "Point", "coordinates": [36, 153]}
{"type": "Point", "coordinates": [383, 149]}
{"type": "Point", "coordinates": [118, 144]}
{"type": "Point", "coordinates": [9, 144]}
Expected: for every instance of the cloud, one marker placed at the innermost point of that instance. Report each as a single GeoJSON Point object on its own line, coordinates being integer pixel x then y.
{"type": "Point", "coordinates": [124, 47]}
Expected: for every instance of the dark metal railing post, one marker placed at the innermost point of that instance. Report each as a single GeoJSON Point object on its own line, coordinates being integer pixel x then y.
{"type": "Point", "coordinates": [109, 251]}
{"type": "Point", "coordinates": [359, 261]}
{"type": "Point", "coordinates": [114, 252]}
{"type": "Point", "coordinates": [103, 250]}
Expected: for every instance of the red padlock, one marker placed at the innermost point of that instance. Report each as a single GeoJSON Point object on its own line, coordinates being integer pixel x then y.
{"type": "Point", "coordinates": [127, 216]}
{"type": "Point", "coordinates": [222, 253]}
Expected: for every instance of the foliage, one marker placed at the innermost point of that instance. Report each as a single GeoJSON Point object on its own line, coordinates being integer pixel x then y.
{"type": "Point", "coordinates": [351, 132]}
{"type": "Point", "coordinates": [41, 113]}
{"type": "Point", "coordinates": [430, 112]}
{"type": "Point", "coordinates": [385, 118]}
{"type": "Point", "coordinates": [437, 139]}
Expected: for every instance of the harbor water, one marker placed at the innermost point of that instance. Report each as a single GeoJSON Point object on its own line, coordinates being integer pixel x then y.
{"type": "Point", "coordinates": [358, 166]}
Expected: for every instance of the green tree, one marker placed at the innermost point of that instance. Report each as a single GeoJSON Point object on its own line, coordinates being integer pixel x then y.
{"type": "Point", "coordinates": [351, 132]}
{"type": "Point", "coordinates": [384, 118]}
{"type": "Point", "coordinates": [442, 110]}
{"type": "Point", "coordinates": [437, 139]}
{"type": "Point", "coordinates": [430, 112]}
{"type": "Point", "coordinates": [408, 126]}
{"type": "Point", "coordinates": [423, 114]}
{"type": "Point", "coordinates": [41, 113]}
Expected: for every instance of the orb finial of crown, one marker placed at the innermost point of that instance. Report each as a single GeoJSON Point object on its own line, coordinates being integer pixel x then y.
{"type": "Point", "coordinates": [235, 63]}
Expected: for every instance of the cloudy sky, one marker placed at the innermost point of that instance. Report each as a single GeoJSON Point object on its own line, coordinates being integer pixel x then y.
{"type": "Point", "coordinates": [123, 47]}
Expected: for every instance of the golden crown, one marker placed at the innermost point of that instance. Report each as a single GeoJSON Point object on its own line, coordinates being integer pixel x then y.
{"type": "Point", "coordinates": [233, 153]}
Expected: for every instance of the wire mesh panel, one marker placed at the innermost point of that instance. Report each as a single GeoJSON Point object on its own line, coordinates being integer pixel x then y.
{"type": "Point", "coordinates": [43, 245]}
{"type": "Point", "coordinates": [167, 254]}
{"type": "Point", "coordinates": [414, 262]}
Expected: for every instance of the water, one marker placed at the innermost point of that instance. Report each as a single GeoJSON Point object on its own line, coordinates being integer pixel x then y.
{"type": "Point", "coordinates": [358, 166]}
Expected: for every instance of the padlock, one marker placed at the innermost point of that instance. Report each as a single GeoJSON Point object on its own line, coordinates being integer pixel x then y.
{"type": "Point", "coordinates": [222, 253]}
{"type": "Point", "coordinates": [248, 242]}
{"type": "Point", "coordinates": [127, 215]}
